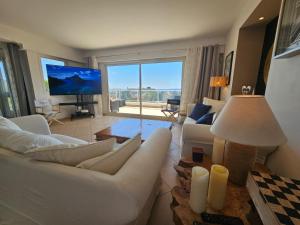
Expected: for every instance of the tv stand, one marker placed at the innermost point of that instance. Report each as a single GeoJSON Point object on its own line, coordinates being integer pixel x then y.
{"type": "Point", "coordinates": [79, 104]}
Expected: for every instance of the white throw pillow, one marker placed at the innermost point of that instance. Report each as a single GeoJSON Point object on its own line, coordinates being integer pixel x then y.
{"type": "Point", "coordinates": [6, 123]}
{"type": "Point", "coordinates": [111, 162]}
{"type": "Point", "coordinates": [21, 141]}
{"type": "Point", "coordinates": [71, 154]}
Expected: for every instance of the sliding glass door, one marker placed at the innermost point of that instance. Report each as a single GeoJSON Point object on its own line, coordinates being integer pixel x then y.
{"type": "Point", "coordinates": [123, 83]}
{"type": "Point", "coordinates": [143, 88]}
{"type": "Point", "coordinates": [160, 82]}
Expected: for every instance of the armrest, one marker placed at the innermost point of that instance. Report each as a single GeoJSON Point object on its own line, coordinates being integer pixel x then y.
{"type": "Point", "coordinates": [33, 123]}
{"type": "Point", "coordinates": [75, 196]}
{"type": "Point", "coordinates": [189, 109]}
{"type": "Point", "coordinates": [197, 132]}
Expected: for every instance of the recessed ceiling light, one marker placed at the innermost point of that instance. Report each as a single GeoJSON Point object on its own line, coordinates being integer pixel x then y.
{"type": "Point", "coordinates": [261, 18]}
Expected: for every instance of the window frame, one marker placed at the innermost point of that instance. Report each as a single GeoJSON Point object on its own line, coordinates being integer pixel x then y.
{"type": "Point", "coordinates": [139, 63]}
{"type": "Point", "coordinates": [41, 69]}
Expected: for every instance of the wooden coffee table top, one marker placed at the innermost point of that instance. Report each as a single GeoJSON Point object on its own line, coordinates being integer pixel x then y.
{"type": "Point", "coordinates": [128, 128]}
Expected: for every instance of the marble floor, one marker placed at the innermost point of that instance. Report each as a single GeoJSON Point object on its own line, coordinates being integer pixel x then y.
{"type": "Point", "coordinates": [85, 129]}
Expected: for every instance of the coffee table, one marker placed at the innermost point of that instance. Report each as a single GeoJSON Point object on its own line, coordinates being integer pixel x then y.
{"type": "Point", "coordinates": [128, 128]}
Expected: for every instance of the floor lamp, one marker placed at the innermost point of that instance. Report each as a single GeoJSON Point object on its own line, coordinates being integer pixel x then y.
{"type": "Point", "coordinates": [246, 122]}
{"type": "Point", "coordinates": [217, 82]}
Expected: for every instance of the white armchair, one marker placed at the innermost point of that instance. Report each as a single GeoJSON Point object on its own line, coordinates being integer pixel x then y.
{"type": "Point", "coordinates": [198, 135]}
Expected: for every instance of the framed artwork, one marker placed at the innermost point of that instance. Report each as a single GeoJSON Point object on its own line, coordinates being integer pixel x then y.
{"type": "Point", "coordinates": [288, 42]}
{"type": "Point", "coordinates": [228, 66]}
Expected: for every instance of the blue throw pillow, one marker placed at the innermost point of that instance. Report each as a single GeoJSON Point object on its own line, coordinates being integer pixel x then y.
{"type": "Point", "coordinates": [199, 111]}
{"type": "Point", "coordinates": [206, 119]}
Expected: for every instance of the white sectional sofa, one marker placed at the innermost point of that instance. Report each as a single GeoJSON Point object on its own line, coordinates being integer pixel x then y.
{"type": "Point", "coordinates": [198, 135]}
{"type": "Point", "coordinates": [48, 193]}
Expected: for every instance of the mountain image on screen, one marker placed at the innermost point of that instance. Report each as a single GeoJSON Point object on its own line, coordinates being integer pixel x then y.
{"type": "Point", "coordinates": [66, 80]}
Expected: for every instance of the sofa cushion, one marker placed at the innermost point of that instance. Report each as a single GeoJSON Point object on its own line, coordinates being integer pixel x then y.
{"type": "Point", "coordinates": [21, 141]}
{"type": "Point", "coordinates": [71, 154]}
{"type": "Point", "coordinates": [199, 111]}
{"type": "Point", "coordinates": [206, 119]}
{"type": "Point", "coordinates": [6, 123]}
{"type": "Point", "coordinates": [111, 162]}
{"type": "Point", "coordinates": [189, 120]}
{"type": "Point", "coordinates": [68, 140]}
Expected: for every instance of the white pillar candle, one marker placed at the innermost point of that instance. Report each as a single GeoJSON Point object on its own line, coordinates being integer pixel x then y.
{"type": "Point", "coordinates": [218, 151]}
{"type": "Point", "coordinates": [217, 187]}
{"type": "Point", "coordinates": [199, 186]}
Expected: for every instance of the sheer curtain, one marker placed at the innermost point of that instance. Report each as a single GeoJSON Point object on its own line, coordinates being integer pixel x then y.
{"type": "Point", "coordinates": [93, 63]}
{"type": "Point", "coordinates": [201, 63]}
{"type": "Point", "coordinates": [190, 75]}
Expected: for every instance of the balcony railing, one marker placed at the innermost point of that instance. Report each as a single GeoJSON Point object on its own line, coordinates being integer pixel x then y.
{"type": "Point", "coordinates": [148, 95]}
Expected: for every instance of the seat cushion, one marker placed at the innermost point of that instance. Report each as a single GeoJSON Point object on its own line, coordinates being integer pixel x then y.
{"type": "Point", "coordinates": [68, 140]}
{"type": "Point", "coordinates": [22, 141]}
{"type": "Point", "coordinates": [199, 111]}
{"type": "Point", "coordinates": [71, 154]}
{"type": "Point", "coordinates": [189, 120]}
{"type": "Point", "coordinates": [111, 162]}
{"type": "Point", "coordinates": [6, 123]}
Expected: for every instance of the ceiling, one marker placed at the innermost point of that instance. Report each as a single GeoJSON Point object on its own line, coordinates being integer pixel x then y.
{"type": "Point", "coordinates": [94, 24]}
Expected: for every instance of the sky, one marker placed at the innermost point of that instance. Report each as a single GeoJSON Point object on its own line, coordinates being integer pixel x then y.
{"type": "Point", "coordinates": [165, 75]}
{"type": "Point", "coordinates": [2, 73]}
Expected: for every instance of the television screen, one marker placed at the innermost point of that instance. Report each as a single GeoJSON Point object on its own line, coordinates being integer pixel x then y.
{"type": "Point", "coordinates": [67, 80]}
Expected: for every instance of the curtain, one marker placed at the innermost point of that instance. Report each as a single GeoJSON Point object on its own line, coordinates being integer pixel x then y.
{"type": "Point", "coordinates": [210, 65]}
{"type": "Point", "coordinates": [190, 74]}
{"type": "Point", "coordinates": [92, 63]}
{"type": "Point", "coordinates": [22, 79]}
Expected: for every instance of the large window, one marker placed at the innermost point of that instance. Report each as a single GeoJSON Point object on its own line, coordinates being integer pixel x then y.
{"type": "Point", "coordinates": [7, 104]}
{"type": "Point", "coordinates": [44, 62]}
{"type": "Point", "coordinates": [143, 88]}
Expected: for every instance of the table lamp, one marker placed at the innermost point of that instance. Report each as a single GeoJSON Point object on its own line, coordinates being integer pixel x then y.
{"type": "Point", "coordinates": [218, 82]}
{"type": "Point", "coordinates": [246, 122]}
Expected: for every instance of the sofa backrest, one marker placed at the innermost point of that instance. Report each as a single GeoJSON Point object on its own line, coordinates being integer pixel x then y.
{"type": "Point", "coordinates": [216, 105]}
{"type": "Point", "coordinates": [76, 196]}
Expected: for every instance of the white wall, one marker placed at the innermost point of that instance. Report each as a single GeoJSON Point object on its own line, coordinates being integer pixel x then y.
{"type": "Point", "coordinates": [231, 41]}
{"type": "Point", "coordinates": [151, 51]}
{"type": "Point", "coordinates": [39, 44]}
{"type": "Point", "coordinates": [36, 47]}
{"type": "Point", "coordinates": [283, 95]}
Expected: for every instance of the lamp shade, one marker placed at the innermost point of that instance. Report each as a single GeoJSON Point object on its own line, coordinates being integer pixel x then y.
{"type": "Point", "coordinates": [248, 120]}
{"type": "Point", "coordinates": [218, 81]}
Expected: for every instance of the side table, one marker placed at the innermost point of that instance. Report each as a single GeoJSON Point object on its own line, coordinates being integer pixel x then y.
{"type": "Point", "coordinates": [236, 203]}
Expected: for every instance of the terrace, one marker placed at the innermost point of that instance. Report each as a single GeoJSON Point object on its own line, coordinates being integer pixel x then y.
{"type": "Point", "coordinates": [152, 100]}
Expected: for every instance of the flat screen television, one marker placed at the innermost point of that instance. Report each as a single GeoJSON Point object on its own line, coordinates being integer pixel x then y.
{"type": "Point", "coordinates": [68, 80]}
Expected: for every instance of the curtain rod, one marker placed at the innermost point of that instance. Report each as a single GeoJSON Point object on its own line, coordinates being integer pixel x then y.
{"type": "Point", "coordinates": [139, 53]}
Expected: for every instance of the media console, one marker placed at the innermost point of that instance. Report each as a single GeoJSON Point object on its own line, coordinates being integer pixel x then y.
{"type": "Point", "coordinates": [79, 112]}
